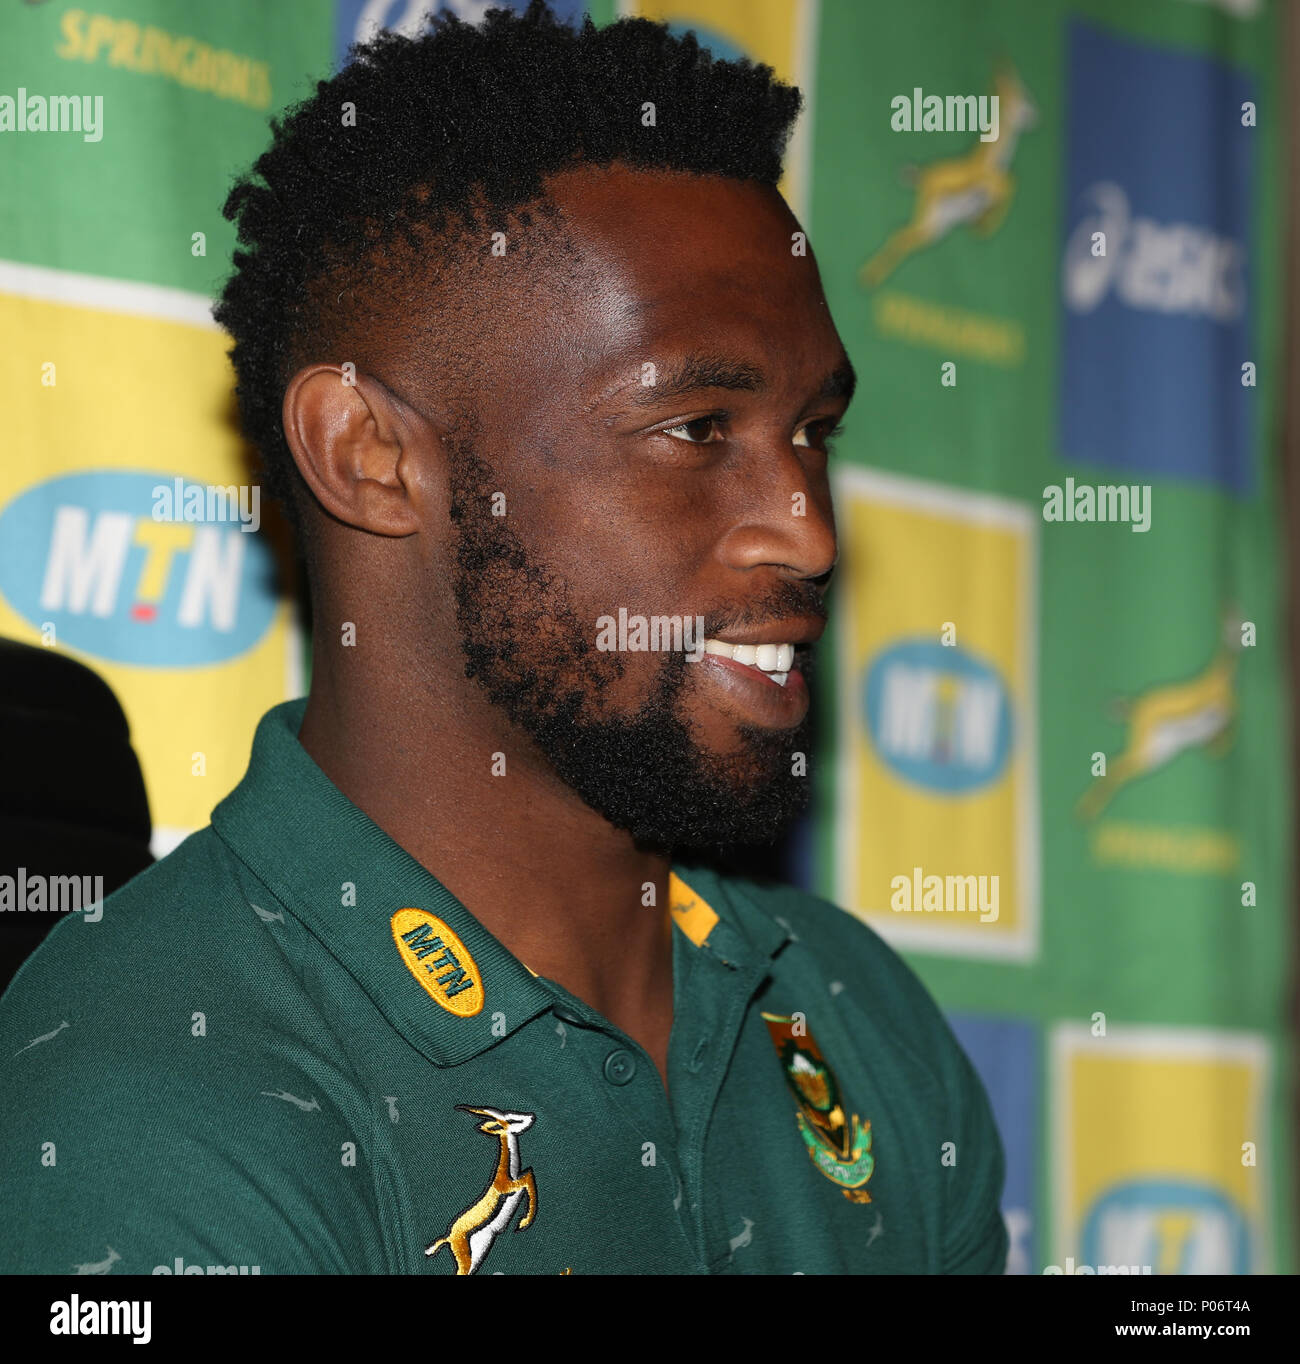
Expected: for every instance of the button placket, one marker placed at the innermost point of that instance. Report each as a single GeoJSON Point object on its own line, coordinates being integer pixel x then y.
{"type": "Point", "coordinates": [645, 1109]}
{"type": "Point", "coordinates": [734, 986]}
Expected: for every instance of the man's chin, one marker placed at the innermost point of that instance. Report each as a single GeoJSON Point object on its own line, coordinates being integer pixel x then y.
{"type": "Point", "coordinates": [707, 812]}
{"type": "Point", "coordinates": [743, 824]}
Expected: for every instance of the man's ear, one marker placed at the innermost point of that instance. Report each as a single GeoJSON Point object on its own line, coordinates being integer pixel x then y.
{"type": "Point", "coordinates": [356, 446]}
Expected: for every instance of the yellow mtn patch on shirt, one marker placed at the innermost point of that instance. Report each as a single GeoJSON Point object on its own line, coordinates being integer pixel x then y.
{"type": "Point", "coordinates": [690, 913]}
{"type": "Point", "coordinates": [439, 960]}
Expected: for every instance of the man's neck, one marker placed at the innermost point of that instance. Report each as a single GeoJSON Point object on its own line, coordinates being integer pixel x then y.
{"type": "Point", "coordinates": [571, 896]}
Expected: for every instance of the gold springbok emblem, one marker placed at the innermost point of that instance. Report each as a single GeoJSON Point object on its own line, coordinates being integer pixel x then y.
{"type": "Point", "coordinates": [975, 188]}
{"type": "Point", "coordinates": [471, 1235]}
{"type": "Point", "coordinates": [1166, 721]}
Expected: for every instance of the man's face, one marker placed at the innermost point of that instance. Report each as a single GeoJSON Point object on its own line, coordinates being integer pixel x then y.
{"type": "Point", "coordinates": [655, 415]}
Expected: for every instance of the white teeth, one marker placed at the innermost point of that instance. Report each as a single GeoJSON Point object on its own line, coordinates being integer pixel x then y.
{"type": "Point", "coordinates": [775, 660]}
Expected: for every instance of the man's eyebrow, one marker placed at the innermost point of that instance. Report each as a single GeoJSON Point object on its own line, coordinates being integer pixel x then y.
{"type": "Point", "coordinates": [840, 383]}
{"type": "Point", "coordinates": [697, 372]}
{"type": "Point", "coordinates": [702, 372]}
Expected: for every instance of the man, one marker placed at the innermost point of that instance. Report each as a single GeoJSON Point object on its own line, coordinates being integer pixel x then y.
{"type": "Point", "coordinates": [535, 352]}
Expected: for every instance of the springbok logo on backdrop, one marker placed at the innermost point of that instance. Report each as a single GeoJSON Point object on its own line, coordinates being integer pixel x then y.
{"type": "Point", "coordinates": [84, 553]}
{"type": "Point", "coordinates": [1166, 721]}
{"type": "Point", "coordinates": [974, 189]}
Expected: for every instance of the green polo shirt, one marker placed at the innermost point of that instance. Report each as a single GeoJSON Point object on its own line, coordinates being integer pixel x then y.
{"type": "Point", "coordinates": [287, 1049]}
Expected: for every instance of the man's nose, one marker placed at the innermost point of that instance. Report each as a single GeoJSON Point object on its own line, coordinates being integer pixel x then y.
{"type": "Point", "coordinates": [784, 519]}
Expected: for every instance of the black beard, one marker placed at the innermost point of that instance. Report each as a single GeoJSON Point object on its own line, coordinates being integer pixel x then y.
{"type": "Point", "coordinates": [527, 647]}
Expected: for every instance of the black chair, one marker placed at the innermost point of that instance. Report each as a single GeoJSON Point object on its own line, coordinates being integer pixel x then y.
{"type": "Point", "coordinates": [72, 797]}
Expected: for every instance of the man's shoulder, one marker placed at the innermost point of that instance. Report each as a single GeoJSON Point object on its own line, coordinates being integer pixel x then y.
{"type": "Point", "coordinates": [158, 1054]}
{"type": "Point", "coordinates": [149, 937]}
{"type": "Point", "coordinates": [191, 950]}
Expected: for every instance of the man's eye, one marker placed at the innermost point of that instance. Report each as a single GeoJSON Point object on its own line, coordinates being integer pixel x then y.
{"type": "Point", "coordinates": [696, 432]}
{"type": "Point", "coordinates": [819, 434]}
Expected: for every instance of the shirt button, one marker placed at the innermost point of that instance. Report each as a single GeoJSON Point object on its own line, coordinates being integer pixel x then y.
{"type": "Point", "coordinates": [620, 1067]}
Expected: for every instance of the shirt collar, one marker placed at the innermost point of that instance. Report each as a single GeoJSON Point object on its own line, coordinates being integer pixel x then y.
{"type": "Point", "coordinates": [438, 976]}
{"type": "Point", "coordinates": [719, 915]}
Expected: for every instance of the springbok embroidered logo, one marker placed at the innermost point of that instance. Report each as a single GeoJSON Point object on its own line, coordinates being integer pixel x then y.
{"type": "Point", "coordinates": [471, 1235]}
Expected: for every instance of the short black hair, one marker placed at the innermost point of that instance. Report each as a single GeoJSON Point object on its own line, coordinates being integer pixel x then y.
{"type": "Point", "coordinates": [450, 130]}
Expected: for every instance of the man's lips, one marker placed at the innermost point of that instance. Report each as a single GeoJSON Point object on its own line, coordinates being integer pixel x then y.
{"type": "Point", "coordinates": [794, 630]}
{"type": "Point", "coordinates": [771, 648]}
{"type": "Point", "coordinates": [753, 697]}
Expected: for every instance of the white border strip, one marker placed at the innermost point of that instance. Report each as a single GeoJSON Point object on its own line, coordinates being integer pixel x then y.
{"type": "Point", "coordinates": [107, 295]}
{"type": "Point", "coordinates": [165, 838]}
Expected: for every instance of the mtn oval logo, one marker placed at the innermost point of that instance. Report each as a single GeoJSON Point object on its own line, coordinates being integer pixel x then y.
{"type": "Point", "coordinates": [83, 552]}
{"type": "Point", "coordinates": [440, 962]}
{"type": "Point", "coordinates": [1176, 1226]}
{"type": "Point", "coordinates": [938, 717]}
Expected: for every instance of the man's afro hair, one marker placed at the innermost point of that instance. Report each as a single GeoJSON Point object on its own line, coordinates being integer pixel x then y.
{"type": "Point", "coordinates": [460, 123]}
